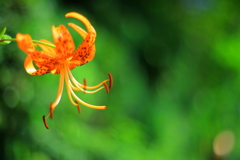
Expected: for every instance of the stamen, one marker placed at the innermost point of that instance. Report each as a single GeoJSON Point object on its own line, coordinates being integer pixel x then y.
{"type": "Point", "coordinates": [55, 103]}
{"type": "Point", "coordinates": [106, 86]}
{"type": "Point", "coordinates": [110, 80]}
{"type": "Point", "coordinates": [78, 88]}
{"type": "Point", "coordinates": [82, 86]}
{"type": "Point", "coordinates": [85, 85]}
{"type": "Point", "coordinates": [69, 88]}
{"type": "Point", "coordinates": [70, 85]}
{"type": "Point", "coordinates": [51, 110]}
{"type": "Point", "coordinates": [59, 94]}
{"type": "Point", "coordinates": [78, 106]}
{"type": "Point", "coordinates": [45, 122]}
{"type": "Point", "coordinates": [86, 104]}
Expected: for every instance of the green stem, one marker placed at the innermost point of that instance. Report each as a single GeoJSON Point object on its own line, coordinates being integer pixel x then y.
{"type": "Point", "coordinates": [34, 41]}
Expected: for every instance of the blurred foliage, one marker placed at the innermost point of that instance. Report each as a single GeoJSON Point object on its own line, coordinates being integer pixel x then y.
{"type": "Point", "coordinates": [176, 75]}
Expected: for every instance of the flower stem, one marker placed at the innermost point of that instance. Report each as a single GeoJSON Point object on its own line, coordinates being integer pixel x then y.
{"type": "Point", "coordinates": [34, 41]}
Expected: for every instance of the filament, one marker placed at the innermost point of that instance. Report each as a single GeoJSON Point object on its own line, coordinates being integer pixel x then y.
{"type": "Point", "coordinates": [73, 84]}
{"type": "Point", "coordinates": [84, 103]}
{"type": "Point", "coordinates": [69, 88]}
{"type": "Point", "coordinates": [68, 82]}
{"type": "Point", "coordinates": [77, 88]}
{"type": "Point", "coordinates": [82, 86]}
{"type": "Point", "coordinates": [58, 98]}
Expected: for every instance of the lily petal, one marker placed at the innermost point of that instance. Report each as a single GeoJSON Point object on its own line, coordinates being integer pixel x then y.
{"type": "Point", "coordinates": [25, 43]}
{"type": "Point", "coordinates": [86, 51]}
{"type": "Point", "coordinates": [47, 49]}
{"type": "Point", "coordinates": [63, 41]}
{"type": "Point", "coordinates": [82, 19]}
{"type": "Point", "coordinates": [30, 69]}
{"type": "Point", "coordinates": [78, 29]}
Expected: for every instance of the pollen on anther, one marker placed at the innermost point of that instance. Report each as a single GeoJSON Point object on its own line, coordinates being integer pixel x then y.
{"type": "Point", "coordinates": [110, 80]}
{"type": "Point", "coordinates": [45, 122]}
{"type": "Point", "coordinates": [78, 106]}
{"type": "Point", "coordinates": [107, 88]}
{"type": "Point", "coordinates": [85, 84]}
{"type": "Point", "coordinates": [51, 111]}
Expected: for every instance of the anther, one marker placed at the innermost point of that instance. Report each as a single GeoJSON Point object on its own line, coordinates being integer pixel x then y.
{"type": "Point", "coordinates": [110, 80]}
{"type": "Point", "coordinates": [78, 106]}
{"type": "Point", "coordinates": [85, 84]}
{"type": "Point", "coordinates": [107, 88]}
{"type": "Point", "coordinates": [51, 110]}
{"type": "Point", "coordinates": [45, 122]}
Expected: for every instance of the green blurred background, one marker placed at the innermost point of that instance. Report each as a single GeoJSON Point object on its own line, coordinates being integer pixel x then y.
{"type": "Point", "coordinates": [176, 93]}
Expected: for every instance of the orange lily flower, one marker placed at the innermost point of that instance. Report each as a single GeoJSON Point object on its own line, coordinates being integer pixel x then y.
{"type": "Point", "coordinates": [62, 59]}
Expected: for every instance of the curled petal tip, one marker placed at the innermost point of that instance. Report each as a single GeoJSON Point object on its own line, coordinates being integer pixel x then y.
{"type": "Point", "coordinates": [45, 122]}
{"type": "Point", "coordinates": [67, 15]}
{"type": "Point", "coordinates": [71, 14]}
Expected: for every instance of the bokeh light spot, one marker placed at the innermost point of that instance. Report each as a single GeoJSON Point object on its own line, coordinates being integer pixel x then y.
{"type": "Point", "coordinates": [26, 89]}
{"type": "Point", "coordinates": [6, 73]}
{"type": "Point", "coordinates": [223, 143]}
{"type": "Point", "coordinates": [11, 97]}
